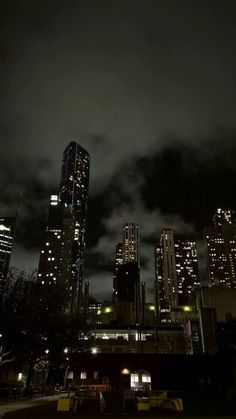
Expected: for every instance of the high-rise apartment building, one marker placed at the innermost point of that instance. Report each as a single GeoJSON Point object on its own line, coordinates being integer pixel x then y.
{"type": "Point", "coordinates": [56, 251]}
{"type": "Point", "coordinates": [7, 230]}
{"type": "Point", "coordinates": [130, 243]}
{"type": "Point", "coordinates": [186, 267]}
{"type": "Point", "coordinates": [62, 254]}
{"type": "Point", "coordinates": [176, 272]}
{"type": "Point", "coordinates": [220, 244]}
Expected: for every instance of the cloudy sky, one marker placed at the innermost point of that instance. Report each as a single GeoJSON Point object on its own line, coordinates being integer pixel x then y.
{"type": "Point", "coordinates": [148, 88]}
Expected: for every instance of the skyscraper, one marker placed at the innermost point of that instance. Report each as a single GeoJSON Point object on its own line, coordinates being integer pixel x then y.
{"type": "Point", "coordinates": [7, 230]}
{"type": "Point", "coordinates": [170, 284]}
{"type": "Point", "coordinates": [186, 267]}
{"type": "Point", "coordinates": [128, 293]}
{"type": "Point", "coordinates": [118, 261]}
{"type": "Point", "coordinates": [74, 194]}
{"type": "Point", "coordinates": [220, 244]}
{"type": "Point", "coordinates": [130, 243]}
{"type": "Point", "coordinates": [176, 272]}
{"type": "Point", "coordinates": [62, 254]}
{"type": "Point", "coordinates": [56, 251]}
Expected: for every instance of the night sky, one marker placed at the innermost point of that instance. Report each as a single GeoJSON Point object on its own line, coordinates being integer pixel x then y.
{"type": "Point", "coordinates": [148, 88]}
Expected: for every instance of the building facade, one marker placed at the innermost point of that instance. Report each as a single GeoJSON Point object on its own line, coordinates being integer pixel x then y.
{"type": "Point", "coordinates": [74, 194]}
{"type": "Point", "coordinates": [186, 267]}
{"type": "Point", "coordinates": [131, 243]}
{"type": "Point", "coordinates": [220, 245]}
{"type": "Point", "coordinates": [118, 261]}
{"type": "Point", "coordinates": [128, 293]}
{"type": "Point", "coordinates": [56, 252]}
{"type": "Point", "coordinates": [62, 254]}
{"type": "Point", "coordinates": [176, 272]}
{"type": "Point", "coordinates": [7, 230]}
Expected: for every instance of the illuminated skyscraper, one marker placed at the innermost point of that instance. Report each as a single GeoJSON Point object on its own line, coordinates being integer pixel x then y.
{"type": "Point", "coordinates": [130, 243]}
{"type": "Point", "coordinates": [74, 194]}
{"type": "Point", "coordinates": [62, 254]}
{"type": "Point", "coordinates": [56, 251]}
{"type": "Point", "coordinates": [186, 267]}
{"type": "Point", "coordinates": [7, 230]}
{"type": "Point", "coordinates": [176, 272]}
{"type": "Point", "coordinates": [220, 244]}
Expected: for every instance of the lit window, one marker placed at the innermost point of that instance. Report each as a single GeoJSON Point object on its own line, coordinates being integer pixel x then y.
{"type": "Point", "coordinates": [134, 378]}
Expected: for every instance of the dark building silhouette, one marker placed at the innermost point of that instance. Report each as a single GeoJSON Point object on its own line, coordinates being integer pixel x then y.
{"type": "Point", "coordinates": [128, 293]}
{"type": "Point", "coordinates": [220, 244]}
{"type": "Point", "coordinates": [118, 261]}
{"type": "Point", "coordinates": [7, 230]}
{"type": "Point", "coordinates": [127, 282]}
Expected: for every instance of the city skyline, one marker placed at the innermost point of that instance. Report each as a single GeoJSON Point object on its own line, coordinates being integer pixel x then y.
{"type": "Point", "coordinates": [130, 233]}
{"type": "Point", "coordinates": [154, 109]}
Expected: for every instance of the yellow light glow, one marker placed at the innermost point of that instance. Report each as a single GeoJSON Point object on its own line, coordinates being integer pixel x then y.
{"type": "Point", "coordinates": [187, 308]}
{"type": "Point", "coordinates": [125, 371]}
{"type": "Point", "coordinates": [107, 309]}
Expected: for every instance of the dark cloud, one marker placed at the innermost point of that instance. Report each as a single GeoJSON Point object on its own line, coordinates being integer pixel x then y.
{"type": "Point", "coordinates": [147, 87]}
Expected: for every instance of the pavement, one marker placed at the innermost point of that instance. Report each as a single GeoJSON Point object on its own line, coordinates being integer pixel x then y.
{"type": "Point", "coordinates": [46, 408]}
{"type": "Point", "coordinates": [16, 406]}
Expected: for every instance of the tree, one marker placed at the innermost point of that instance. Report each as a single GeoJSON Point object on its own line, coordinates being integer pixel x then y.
{"type": "Point", "coordinates": [36, 329]}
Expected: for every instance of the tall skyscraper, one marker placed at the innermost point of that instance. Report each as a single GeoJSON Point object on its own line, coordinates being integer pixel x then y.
{"type": "Point", "coordinates": [118, 261]}
{"type": "Point", "coordinates": [67, 222]}
{"type": "Point", "coordinates": [74, 193]}
{"type": "Point", "coordinates": [186, 267]}
{"type": "Point", "coordinates": [7, 230]}
{"type": "Point", "coordinates": [170, 283]}
{"type": "Point", "coordinates": [176, 272]}
{"type": "Point", "coordinates": [220, 244]}
{"type": "Point", "coordinates": [130, 243]}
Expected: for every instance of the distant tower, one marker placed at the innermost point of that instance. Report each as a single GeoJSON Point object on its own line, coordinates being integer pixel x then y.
{"type": "Point", "coordinates": [176, 272]}
{"type": "Point", "coordinates": [128, 293]}
{"type": "Point", "coordinates": [186, 267]}
{"type": "Point", "coordinates": [220, 244]}
{"type": "Point", "coordinates": [170, 283]}
{"type": "Point", "coordinates": [7, 230]}
{"type": "Point", "coordinates": [130, 243]}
